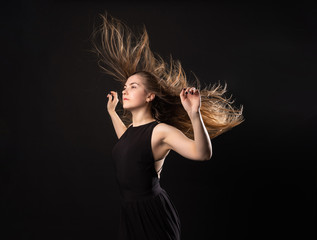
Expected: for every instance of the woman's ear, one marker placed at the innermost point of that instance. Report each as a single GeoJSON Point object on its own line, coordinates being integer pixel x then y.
{"type": "Point", "coordinates": [151, 97]}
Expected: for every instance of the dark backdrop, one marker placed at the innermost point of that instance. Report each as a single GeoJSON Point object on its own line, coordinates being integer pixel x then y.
{"type": "Point", "coordinates": [57, 176]}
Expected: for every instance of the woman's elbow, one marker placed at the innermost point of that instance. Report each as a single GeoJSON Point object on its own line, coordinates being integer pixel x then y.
{"type": "Point", "coordinates": [203, 155]}
{"type": "Point", "coordinates": [207, 157]}
{"type": "Point", "coordinates": [208, 154]}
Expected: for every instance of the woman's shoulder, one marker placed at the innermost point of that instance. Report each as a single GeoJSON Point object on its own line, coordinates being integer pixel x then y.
{"type": "Point", "coordinates": [163, 131]}
{"type": "Point", "coordinates": [164, 128]}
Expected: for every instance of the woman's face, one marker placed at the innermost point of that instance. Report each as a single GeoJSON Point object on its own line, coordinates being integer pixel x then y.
{"type": "Point", "coordinates": [134, 94]}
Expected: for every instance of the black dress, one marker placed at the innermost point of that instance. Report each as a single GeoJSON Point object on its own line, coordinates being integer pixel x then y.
{"type": "Point", "coordinates": [147, 213]}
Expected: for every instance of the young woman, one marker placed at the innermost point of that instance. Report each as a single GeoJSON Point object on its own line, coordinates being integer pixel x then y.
{"type": "Point", "coordinates": [161, 112]}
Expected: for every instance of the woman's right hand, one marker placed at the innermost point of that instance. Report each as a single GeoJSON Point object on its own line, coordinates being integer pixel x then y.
{"type": "Point", "coordinates": [112, 101]}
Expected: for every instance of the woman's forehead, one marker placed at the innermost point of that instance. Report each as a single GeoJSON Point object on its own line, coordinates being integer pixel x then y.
{"type": "Point", "coordinates": [134, 79]}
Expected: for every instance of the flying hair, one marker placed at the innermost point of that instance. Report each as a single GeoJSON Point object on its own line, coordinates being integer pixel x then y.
{"type": "Point", "coordinates": [122, 53]}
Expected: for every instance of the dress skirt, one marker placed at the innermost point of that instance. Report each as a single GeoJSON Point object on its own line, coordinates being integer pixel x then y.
{"type": "Point", "coordinates": [153, 218]}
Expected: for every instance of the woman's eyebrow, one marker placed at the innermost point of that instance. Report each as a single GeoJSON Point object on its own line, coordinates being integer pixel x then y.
{"type": "Point", "coordinates": [132, 83]}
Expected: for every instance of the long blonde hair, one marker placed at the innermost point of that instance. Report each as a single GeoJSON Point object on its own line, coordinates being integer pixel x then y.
{"type": "Point", "coordinates": [121, 53]}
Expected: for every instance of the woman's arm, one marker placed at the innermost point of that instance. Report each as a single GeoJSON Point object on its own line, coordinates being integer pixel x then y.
{"type": "Point", "coordinates": [201, 137]}
{"type": "Point", "coordinates": [118, 125]}
{"type": "Point", "coordinates": [198, 149]}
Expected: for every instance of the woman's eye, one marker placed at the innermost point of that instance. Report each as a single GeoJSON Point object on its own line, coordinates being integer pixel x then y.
{"type": "Point", "coordinates": [126, 88]}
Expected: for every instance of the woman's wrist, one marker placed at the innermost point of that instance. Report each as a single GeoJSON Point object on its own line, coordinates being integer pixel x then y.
{"type": "Point", "coordinates": [112, 112]}
{"type": "Point", "coordinates": [194, 115]}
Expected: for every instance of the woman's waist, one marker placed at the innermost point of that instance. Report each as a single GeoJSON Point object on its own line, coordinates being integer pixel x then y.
{"type": "Point", "coordinates": [136, 193]}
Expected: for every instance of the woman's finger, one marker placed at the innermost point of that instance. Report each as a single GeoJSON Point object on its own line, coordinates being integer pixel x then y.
{"type": "Point", "coordinates": [114, 94]}
{"type": "Point", "coordinates": [111, 94]}
{"type": "Point", "coordinates": [183, 94]}
{"type": "Point", "coordinates": [192, 90]}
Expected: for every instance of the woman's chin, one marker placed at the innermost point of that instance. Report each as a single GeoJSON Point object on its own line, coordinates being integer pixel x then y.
{"type": "Point", "coordinates": [129, 108]}
{"type": "Point", "coordinates": [126, 107]}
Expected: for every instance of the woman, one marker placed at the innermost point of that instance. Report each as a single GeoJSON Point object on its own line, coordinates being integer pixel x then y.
{"type": "Point", "coordinates": [162, 113]}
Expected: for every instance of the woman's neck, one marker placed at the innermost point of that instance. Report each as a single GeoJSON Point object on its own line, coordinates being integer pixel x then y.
{"type": "Point", "coordinates": [140, 118]}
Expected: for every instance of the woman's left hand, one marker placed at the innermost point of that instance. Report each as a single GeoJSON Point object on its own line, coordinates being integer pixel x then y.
{"type": "Point", "coordinates": [190, 98]}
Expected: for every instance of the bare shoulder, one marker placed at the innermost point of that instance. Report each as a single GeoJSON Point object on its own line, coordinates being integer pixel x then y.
{"type": "Point", "coordinates": [163, 127]}
{"type": "Point", "coordinates": [162, 130]}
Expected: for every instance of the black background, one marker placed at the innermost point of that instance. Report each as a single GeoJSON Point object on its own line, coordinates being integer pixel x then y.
{"type": "Point", "coordinates": [57, 177]}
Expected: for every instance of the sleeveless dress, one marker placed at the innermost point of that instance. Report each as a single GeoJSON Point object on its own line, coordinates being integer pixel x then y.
{"type": "Point", "coordinates": [146, 213]}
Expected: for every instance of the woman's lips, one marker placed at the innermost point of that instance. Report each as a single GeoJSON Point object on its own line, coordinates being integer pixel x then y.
{"type": "Point", "coordinates": [125, 99]}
